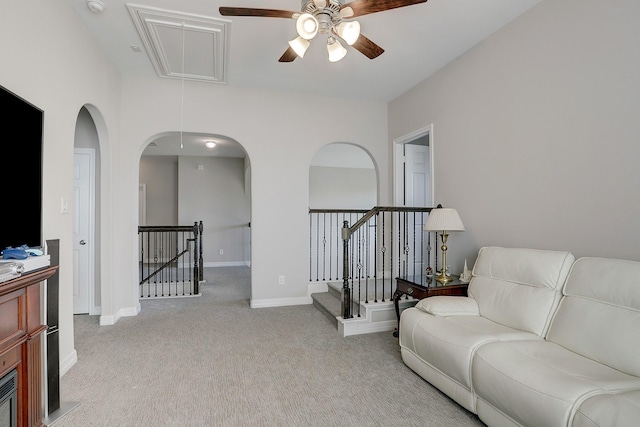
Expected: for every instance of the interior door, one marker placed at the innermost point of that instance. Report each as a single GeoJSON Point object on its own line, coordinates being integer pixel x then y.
{"type": "Point", "coordinates": [82, 232]}
{"type": "Point", "coordinates": [417, 195]}
{"type": "Point", "coordinates": [417, 188]}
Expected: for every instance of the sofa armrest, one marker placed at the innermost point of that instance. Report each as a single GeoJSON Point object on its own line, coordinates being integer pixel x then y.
{"type": "Point", "coordinates": [446, 305]}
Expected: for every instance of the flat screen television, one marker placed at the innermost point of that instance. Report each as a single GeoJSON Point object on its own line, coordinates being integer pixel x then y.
{"type": "Point", "coordinates": [21, 194]}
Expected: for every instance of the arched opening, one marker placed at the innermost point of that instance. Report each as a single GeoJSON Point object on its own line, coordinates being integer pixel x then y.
{"type": "Point", "coordinates": [86, 219]}
{"type": "Point", "coordinates": [183, 181]}
{"type": "Point", "coordinates": [342, 176]}
{"type": "Point", "coordinates": [342, 186]}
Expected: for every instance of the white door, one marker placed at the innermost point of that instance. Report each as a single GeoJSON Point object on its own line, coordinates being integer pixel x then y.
{"type": "Point", "coordinates": [83, 178]}
{"type": "Point", "coordinates": [417, 195]}
{"type": "Point", "coordinates": [417, 187]}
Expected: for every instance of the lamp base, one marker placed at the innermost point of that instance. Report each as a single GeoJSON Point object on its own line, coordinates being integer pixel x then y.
{"type": "Point", "coordinates": [443, 278]}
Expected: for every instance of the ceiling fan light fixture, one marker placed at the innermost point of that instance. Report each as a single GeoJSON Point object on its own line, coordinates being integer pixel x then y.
{"type": "Point", "coordinates": [299, 46]}
{"type": "Point", "coordinates": [349, 31]}
{"type": "Point", "coordinates": [307, 26]}
{"type": "Point", "coordinates": [335, 49]}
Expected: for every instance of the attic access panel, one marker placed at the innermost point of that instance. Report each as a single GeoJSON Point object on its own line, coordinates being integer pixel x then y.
{"type": "Point", "coordinates": [180, 45]}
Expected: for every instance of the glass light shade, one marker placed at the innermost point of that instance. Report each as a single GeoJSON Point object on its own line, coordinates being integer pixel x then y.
{"type": "Point", "coordinates": [299, 46]}
{"type": "Point", "coordinates": [349, 31]}
{"type": "Point", "coordinates": [335, 49]}
{"type": "Point", "coordinates": [444, 219]}
{"type": "Point", "coordinates": [307, 26]}
{"type": "Point", "coordinates": [210, 144]}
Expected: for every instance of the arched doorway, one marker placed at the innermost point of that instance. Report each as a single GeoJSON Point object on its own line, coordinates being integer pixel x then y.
{"type": "Point", "coordinates": [86, 190]}
{"type": "Point", "coordinates": [192, 177]}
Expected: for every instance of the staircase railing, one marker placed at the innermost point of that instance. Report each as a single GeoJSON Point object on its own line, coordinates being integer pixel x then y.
{"type": "Point", "coordinates": [379, 245]}
{"type": "Point", "coordinates": [171, 261]}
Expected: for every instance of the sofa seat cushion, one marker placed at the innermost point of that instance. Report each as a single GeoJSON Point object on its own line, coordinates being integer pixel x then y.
{"type": "Point", "coordinates": [539, 383]}
{"type": "Point", "coordinates": [610, 409]}
{"type": "Point", "coordinates": [448, 343]}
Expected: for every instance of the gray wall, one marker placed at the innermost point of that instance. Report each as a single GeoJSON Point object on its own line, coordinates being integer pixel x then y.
{"type": "Point", "coordinates": [160, 175]}
{"type": "Point", "coordinates": [342, 188]}
{"type": "Point", "coordinates": [178, 193]}
{"type": "Point", "coordinates": [215, 194]}
{"type": "Point", "coordinates": [536, 132]}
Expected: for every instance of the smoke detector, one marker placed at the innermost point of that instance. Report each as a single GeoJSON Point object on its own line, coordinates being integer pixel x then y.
{"type": "Point", "coordinates": [95, 6]}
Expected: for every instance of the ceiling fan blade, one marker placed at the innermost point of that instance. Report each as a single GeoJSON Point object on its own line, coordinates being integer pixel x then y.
{"type": "Point", "coordinates": [289, 55]}
{"type": "Point", "coordinates": [367, 47]}
{"type": "Point", "coordinates": [249, 11]}
{"type": "Point", "coordinates": [365, 7]}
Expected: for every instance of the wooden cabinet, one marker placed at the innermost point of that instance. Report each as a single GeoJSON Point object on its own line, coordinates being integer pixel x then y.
{"type": "Point", "coordinates": [21, 341]}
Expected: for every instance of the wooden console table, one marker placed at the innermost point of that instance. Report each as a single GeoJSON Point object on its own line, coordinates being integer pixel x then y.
{"type": "Point", "coordinates": [21, 341]}
{"type": "Point", "coordinates": [420, 287]}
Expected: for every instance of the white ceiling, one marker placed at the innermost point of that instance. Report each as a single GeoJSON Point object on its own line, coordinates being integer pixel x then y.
{"type": "Point", "coordinates": [243, 51]}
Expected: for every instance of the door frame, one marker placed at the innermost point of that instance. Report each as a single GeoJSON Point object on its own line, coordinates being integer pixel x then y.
{"type": "Point", "coordinates": [91, 152]}
{"type": "Point", "coordinates": [398, 163]}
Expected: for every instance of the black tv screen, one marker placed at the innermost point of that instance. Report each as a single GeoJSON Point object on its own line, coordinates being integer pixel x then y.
{"type": "Point", "coordinates": [21, 194]}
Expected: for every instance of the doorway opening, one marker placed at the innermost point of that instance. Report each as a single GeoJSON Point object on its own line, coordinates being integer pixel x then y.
{"type": "Point", "coordinates": [413, 168]}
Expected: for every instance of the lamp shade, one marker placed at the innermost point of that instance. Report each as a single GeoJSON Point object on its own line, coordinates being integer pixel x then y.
{"type": "Point", "coordinates": [299, 46]}
{"type": "Point", "coordinates": [307, 26]}
{"type": "Point", "coordinates": [335, 49]}
{"type": "Point", "coordinates": [444, 219]}
{"type": "Point", "coordinates": [349, 31]}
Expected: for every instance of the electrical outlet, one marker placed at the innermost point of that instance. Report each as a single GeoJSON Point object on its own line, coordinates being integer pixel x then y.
{"type": "Point", "coordinates": [220, 252]}
{"type": "Point", "coordinates": [280, 280]}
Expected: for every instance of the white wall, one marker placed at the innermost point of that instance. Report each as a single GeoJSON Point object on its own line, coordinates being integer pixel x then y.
{"type": "Point", "coordinates": [58, 67]}
{"type": "Point", "coordinates": [536, 132]}
{"type": "Point", "coordinates": [49, 59]}
{"type": "Point", "coordinates": [272, 128]}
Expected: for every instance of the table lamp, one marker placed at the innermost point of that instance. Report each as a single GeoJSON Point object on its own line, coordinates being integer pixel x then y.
{"type": "Point", "coordinates": [444, 220]}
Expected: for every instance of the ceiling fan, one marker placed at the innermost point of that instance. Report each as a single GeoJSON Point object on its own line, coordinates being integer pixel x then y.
{"type": "Point", "coordinates": [327, 17]}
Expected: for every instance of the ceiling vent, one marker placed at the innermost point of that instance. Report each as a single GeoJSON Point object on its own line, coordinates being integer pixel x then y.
{"type": "Point", "coordinates": [183, 46]}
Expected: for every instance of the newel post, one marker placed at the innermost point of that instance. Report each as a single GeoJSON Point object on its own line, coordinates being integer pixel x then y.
{"type": "Point", "coordinates": [201, 269]}
{"type": "Point", "coordinates": [196, 257]}
{"type": "Point", "coordinates": [346, 293]}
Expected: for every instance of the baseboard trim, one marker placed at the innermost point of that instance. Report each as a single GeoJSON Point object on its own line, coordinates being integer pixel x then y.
{"type": "Point", "coordinates": [123, 312]}
{"type": "Point", "coordinates": [68, 362]}
{"type": "Point", "coordinates": [280, 302]}
{"type": "Point", "coordinates": [228, 264]}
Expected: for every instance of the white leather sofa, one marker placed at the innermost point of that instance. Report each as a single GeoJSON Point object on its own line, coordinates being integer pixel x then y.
{"type": "Point", "coordinates": [541, 340]}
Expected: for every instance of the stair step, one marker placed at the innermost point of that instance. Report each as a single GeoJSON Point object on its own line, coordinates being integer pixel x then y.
{"type": "Point", "coordinates": [328, 304]}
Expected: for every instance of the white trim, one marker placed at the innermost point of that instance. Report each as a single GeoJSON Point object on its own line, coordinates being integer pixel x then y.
{"type": "Point", "coordinates": [227, 264]}
{"type": "Point", "coordinates": [109, 320]}
{"type": "Point", "coordinates": [68, 362]}
{"type": "Point", "coordinates": [123, 312]}
{"type": "Point", "coordinates": [377, 317]}
{"type": "Point", "coordinates": [280, 302]}
{"type": "Point", "coordinates": [398, 145]}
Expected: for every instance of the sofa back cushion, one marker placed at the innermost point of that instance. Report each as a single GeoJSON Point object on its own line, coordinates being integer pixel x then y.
{"type": "Point", "coordinates": [519, 288]}
{"type": "Point", "coordinates": [599, 316]}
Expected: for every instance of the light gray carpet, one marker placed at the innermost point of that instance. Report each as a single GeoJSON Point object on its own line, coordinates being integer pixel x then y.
{"type": "Point", "coordinates": [214, 361]}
